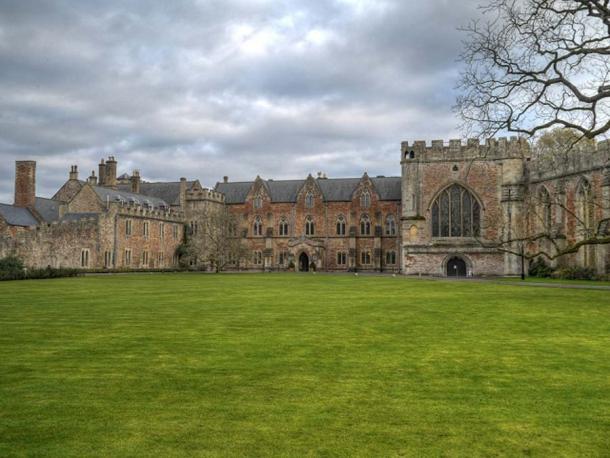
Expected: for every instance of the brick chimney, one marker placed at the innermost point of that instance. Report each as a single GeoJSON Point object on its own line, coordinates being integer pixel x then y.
{"type": "Point", "coordinates": [225, 179]}
{"type": "Point", "coordinates": [111, 172]}
{"type": "Point", "coordinates": [74, 172]}
{"type": "Point", "coordinates": [102, 173]}
{"type": "Point", "coordinates": [92, 180]}
{"type": "Point", "coordinates": [25, 183]}
{"type": "Point", "coordinates": [135, 181]}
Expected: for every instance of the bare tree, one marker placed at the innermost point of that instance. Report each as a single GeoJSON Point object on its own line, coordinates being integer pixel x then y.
{"type": "Point", "coordinates": [219, 242]}
{"type": "Point", "coordinates": [536, 64]}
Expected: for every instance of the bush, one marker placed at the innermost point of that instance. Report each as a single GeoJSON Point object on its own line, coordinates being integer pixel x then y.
{"type": "Point", "coordinates": [11, 264]}
{"type": "Point", "coordinates": [11, 268]}
{"type": "Point", "coordinates": [539, 268]}
{"type": "Point", "coordinates": [575, 273]}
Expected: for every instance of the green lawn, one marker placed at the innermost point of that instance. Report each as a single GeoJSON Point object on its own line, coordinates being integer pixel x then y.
{"type": "Point", "coordinates": [557, 280]}
{"type": "Point", "coordinates": [293, 365]}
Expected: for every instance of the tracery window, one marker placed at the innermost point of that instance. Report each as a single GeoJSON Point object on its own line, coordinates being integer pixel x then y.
{"type": "Point", "coordinates": [456, 213]}
{"type": "Point", "coordinates": [365, 225]}
{"type": "Point", "coordinates": [390, 225]}
{"type": "Point", "coordinates": [545, 209]}
{"type": "Point", "coordinates": [584, 206]}
{"type": "Point", "coordinates": [365, 199]}
{"type": "Point", "coordinates": [257, 202]}
{"type": "Point", "coordinates": [340, 225]}
{"type": "Point", "coordinates": [283, 227]}
{"type": "Point", "coordinates": [258, 226]}
{"type": "Point", "coordinates": [309, 200]}
{"type": "Point", "coordinates": [309, 226]}
{"type": "Point", "coordinates": [257, 258]}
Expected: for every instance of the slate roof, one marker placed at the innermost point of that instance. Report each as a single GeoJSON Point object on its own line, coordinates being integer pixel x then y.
{"type": "Point", "coordinates": [333, 189]}
{"type": "Point", "coordinates": [167, 191]}
{"type": "Point", "coordinates": [114, 195]}
{"type": "Point", "coordinates": [17, 216]}
{"type": "Point", "coordinates": [47, 208]}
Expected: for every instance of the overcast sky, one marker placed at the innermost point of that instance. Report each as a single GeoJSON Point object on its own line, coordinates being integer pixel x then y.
{"type": "Point", "coordinates": [206, 88]}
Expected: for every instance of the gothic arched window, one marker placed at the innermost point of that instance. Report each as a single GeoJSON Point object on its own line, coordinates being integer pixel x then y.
{"type": "Point", "coordinates": [456, 213]}
{"type": "Point", "coordinates": [257, 202]}
{"type": "Point", "coordinates": [258, 226]}
{"type": "Point", "coordinates": [309, 226]}
{"type": "Point", "coordinates": [390, 225]}
{"type": "Point", "coordinates": [365, 199]}
{"type": "Point", "coordinates": [545, 209]}
{"type": "Point", "coordinates": [340, 225]}
{"type": "Point", "coordinates": [584, 206]}
{"type": "Point", "coordinates": [365, 225]}
{"type": "Point", "coordinates": [309, 200]}
{"type": "Point", "coordinates": [283, 226]}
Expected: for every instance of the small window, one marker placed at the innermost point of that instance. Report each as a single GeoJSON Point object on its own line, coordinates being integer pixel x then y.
{"type": "Point", "coordinates": [194, 227]}
{"type": "Point", "coordinates": [341, 225]}
{"type": "Point", "coordinates": [107, 259]}
{"type": "Point", "coordinates": [341, 258]}
{"type": "Point", "coordinates": [365, 257]}
{"type": "Point", "coordinates": [283, 227]}
{"type": "Point", "coordinates": [365, 225]}
{"type": "Point", "coordinates": [365, 199]}
{"type": "Point", "coordinates": [127, 257]}
{"type": "Point", "coordinates": [283, 258]}
{"type": "Point", "coordinates": [84, 258]}
{"type": "Point", "coordinates": [257, 258]}
{"type": "Point", "coordinates": [258, 226]}
{"type": "Point", "coordinates": [144, 258]}
{"type": "Point", "coordinates": [257, 202]}
{"type": "Point", "coordinates": [145, 229]}
{"type": "Point", "coordinates": [390, 257]}
{"type": "Point", "coordinates": [309, 226]}
{"type": "Point", "coordinates": [309, 200]}
{"type": "Point", "coordinates": [128, 227]}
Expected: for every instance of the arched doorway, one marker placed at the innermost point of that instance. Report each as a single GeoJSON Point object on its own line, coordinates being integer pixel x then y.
{"type": "Point", "coordinates": [456, 267]}
{"type": "Point", "coordinates": [303, 262]}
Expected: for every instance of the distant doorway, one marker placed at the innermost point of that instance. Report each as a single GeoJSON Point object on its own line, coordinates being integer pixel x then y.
{"type": "Point", "coordinates": [456, 267]}
{"type": "Point", "coordinates": [303, 262]}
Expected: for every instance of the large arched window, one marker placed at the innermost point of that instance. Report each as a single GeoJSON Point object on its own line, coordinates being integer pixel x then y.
{"type": "Point", "coordinates": [365, 199]}
{"type": "Point", "coordinates": [390, 225]}
{"type": "Point", "coordinates": [584, 206]}
{"type": "Point", "coordinates": [544, 203]}
{"type": "Point", "coordinates": [365, 225]}
{"type": "Point", "coordinates": [456, 213]}
{"type": "Point", "coordinates": [309, 226]}
{"type": "Point", "coordinates": [309, 200]}
{"type": "Point", "coordinates": [340, 225]}
{"type": "Point", "coordinates": [258, 226]}
{"type": "Point", "coordinates": [283, 226]}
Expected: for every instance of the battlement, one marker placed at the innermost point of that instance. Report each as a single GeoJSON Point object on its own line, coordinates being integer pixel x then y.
{"type": "Point", "coordinates": [205, 194]}
{"type": "Point", "coordinates": [142, 211]}
{"type": "Point", "coordinates": [456, 150]}
{"type": "Point", "coordinates": [580, 159]}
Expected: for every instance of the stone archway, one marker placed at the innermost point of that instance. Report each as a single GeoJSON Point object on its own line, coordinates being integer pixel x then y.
{"type": "Point", "coordinates": [456, 267]}
{"type": "Point", "coordinates": [303, 262]}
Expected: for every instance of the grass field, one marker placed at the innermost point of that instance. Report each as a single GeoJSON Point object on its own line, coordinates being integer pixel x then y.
{"type": "Point", "coordinates": [293, 365]}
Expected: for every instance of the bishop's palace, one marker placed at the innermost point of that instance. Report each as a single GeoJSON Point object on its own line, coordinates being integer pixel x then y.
{"type": "Point", "coordinates": [455, 209]}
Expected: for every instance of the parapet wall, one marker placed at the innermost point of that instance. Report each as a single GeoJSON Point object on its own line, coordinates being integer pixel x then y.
{"type": "Point", "coordinates": [456, 150]}
{"type": "Point", "coordinates": [577, 160]}
{"type": "Point", "coordinates": [205, 194]}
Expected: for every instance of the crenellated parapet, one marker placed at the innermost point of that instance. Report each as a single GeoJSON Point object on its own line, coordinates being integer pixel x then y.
{"type": "Point", "coordinates": [472, 149]}
{"type": "Point", "coordinates": [205, 194]}
{"type": "Point", "coordinates": [579, 159]}
{"type": "Point", "coordinates": [142, 211]}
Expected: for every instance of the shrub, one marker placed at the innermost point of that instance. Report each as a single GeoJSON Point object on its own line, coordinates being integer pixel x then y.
{"type": "Point", "coordinates": [11, 264]}
{"type": "Point", "coordinates": [539, 268]}
{"type": "Point", "coordinates": [11, 268]}
{"type": "Point", "coordinates": [575, 273]}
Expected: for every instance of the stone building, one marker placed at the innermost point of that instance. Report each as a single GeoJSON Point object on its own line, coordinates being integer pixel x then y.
{"type": "Point", "coordinates": [456, 209]}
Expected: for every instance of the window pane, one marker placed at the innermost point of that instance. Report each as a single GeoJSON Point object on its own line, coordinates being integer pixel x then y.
{"type": "Point", "coordinates": [444, 214]}
{"type": "Point", "coordinates": [456, 220]}
{"type": "Point", "coordinates": [476, 215]}
{"type": "Point", "coordinates": [467, 215]}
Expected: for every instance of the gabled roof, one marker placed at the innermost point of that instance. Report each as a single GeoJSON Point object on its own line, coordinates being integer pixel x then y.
{"type": "Point", "coordinates": [114, 195]}
{"type": "Point", "coordinates": [168, 191]}
{"type": "Point", "coordinates": [48, 209]}
{"type": "Point", "coordinates": [17, 216]}
{"type": "Point", "coordinates": [333, 189]}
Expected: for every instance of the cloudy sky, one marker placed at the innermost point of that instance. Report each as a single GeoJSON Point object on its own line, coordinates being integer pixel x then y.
{"type": "Point", "coordinates": [206, 88]}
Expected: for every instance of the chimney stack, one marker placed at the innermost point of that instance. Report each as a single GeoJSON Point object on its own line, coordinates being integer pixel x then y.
{"type": "Point", "coordinates": [102, 173]}
{"type": "Point", "coordinates": [225, 179]}
{"type": "Point", "coordinates": [135, 182]}
{"type": "Point", "coordinates": [182, 193]}
{"type": "Point", "coordinates": [111, 172]}
{"type": "Point", "coordinates": [25, 183]}
{"type": "Point", "coordinates": [74, 172]}
{"type": "Point", "coordinates": [92, 180]}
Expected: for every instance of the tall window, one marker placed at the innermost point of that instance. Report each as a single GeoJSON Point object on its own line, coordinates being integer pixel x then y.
{"type": "Point", "coordinates": [456, 213]}
{"type": "Point", "coordinates": [258, 226]}
{"type": "Point", "coordinates": [194, 227]}
{"type": "Point", "coordinates": [232, 229]}
{"type": "Point", "coordinates": [390, 257]}
{"type": "Point", "coordinates": [161, 259]}
{"type": "Point", "coordinates": [365, 257]}
{"type": "Point", "coordinates": [390, 225]}
{"type": "Point", "coordinates": [127, 257]}
{"type": "Point", "coordinates": [340, 225]}
{"type": "Point", "coordinates": [309, 200]}
{"type": "Point", "coordinates": [283, 227]}
{"type": "Point", "coordinates": [257, 258]}
{"type": "Point", "coordinates": [107, 259]}
{"type": "Point", "coordinates": [145, 258]}
{"type": "Point", "coordinates": [341, 258]}
{"type": "Point", "coordinates": [162, 231]}
{"type": "Point", "coordinates": [84, 258]}
{"type": "Point", "coordinates": [365, 199]}
{"type": "Point", "coordinates": [309, 226]}
{"type": "Point", "coordinates": [257, 202]}
{"type": "Point", "coordinates": [545, 209]}
{"type": "Point", "coordinates": [585, 215]}
{"type": "Point", "coordinates": [365, 225]}
{"type": "Point", "coordinates": [283, 258]}
{"type": "Point", "coordinates": [128, 227]}
{"type": "Point", "coordinates": [175, 232]}
{"type": "Point", "coordinates": [145, 229]}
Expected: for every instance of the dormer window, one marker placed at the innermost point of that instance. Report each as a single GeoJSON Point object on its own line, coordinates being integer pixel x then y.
{"type": "Point", "coordinates": [309, 200]}
{"type": "Point", "coordinates": [258, 202]}
{"type": "Point", "coordinates": [365, 199]}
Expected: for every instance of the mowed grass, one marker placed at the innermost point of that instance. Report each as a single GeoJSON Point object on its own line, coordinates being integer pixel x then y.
{"type": "Point", "coordinates": [301, 365]}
